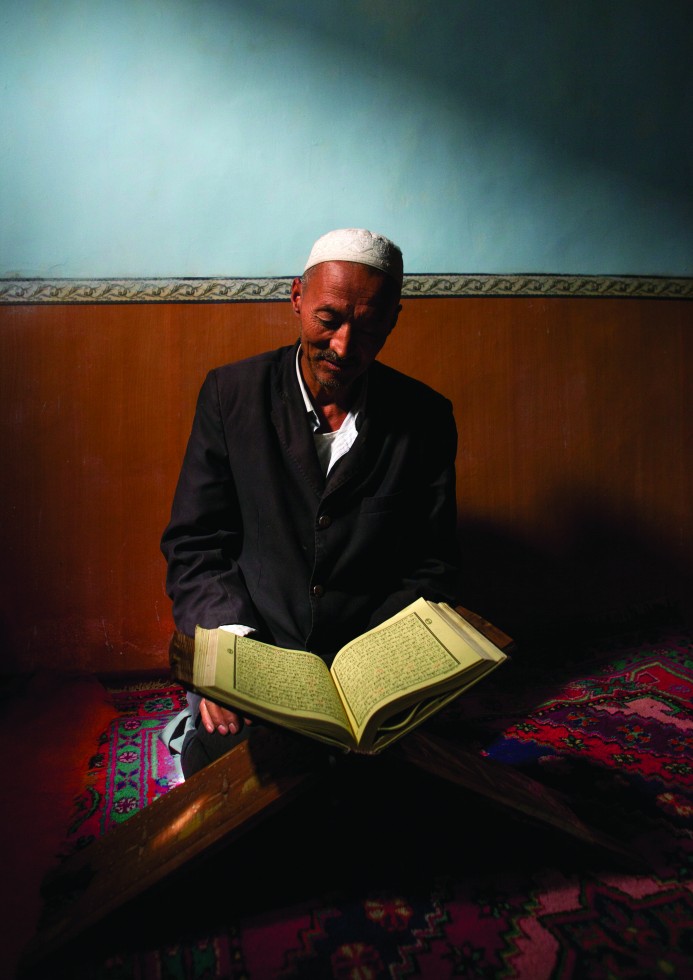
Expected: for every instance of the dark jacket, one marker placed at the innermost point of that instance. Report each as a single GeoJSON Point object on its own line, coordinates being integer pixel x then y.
{"type": "Point", "coordinates": [257, 536]}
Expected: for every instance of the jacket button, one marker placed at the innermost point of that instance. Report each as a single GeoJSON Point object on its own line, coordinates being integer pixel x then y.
{"type": "Point", "coordinates": [318, 591]}
{"type": "Point", "coordinates": [324, 520]}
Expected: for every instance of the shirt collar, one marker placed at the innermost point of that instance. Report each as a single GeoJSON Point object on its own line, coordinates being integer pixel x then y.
{"type": "Point", "coordinates": [356, 409]}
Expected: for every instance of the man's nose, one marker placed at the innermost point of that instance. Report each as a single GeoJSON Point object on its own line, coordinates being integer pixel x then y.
{"type": "Point", "coordinates": [341, 340]}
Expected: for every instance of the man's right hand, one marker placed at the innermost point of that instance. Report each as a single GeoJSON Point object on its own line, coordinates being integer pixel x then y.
{"type": "Point", "coordinates": [223, 720]}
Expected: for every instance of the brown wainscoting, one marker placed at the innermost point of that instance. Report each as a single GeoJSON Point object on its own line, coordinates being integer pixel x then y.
{"type": "Point", "coordinates": [574, 474]}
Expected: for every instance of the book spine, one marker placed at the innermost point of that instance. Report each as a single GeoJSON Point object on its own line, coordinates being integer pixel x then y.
{"type": "Point", "coordinates": [181, 655]}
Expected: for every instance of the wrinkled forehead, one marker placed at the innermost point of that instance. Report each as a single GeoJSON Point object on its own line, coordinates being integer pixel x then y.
{"type": "Point", "coordinates": [350, 284]}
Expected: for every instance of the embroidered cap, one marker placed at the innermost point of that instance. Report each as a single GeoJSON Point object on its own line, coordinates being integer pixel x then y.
{"type": "Point", "coordinates": [358, 245]}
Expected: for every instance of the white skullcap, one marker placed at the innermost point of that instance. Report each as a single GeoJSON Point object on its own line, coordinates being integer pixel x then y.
{"type": "Point", "coordinates": [358, 245]}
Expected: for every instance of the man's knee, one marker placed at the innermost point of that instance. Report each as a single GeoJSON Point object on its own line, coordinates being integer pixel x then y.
{"type": "Point", "coordinates": [201, 747]}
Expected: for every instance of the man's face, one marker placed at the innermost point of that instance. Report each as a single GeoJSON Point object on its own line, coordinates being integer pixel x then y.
{"type": "Point", "coordinates": [347, 311]}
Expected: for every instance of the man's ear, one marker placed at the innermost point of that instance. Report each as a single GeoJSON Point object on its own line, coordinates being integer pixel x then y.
{"type": "Point", "coordinates": [296, 294]}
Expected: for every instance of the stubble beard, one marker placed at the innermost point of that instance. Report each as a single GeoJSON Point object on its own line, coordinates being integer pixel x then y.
{"type": "Point", "coordinates": [329, 383]}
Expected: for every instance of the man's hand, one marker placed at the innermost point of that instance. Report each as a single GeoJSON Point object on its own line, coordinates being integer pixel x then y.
{"type": "Point", "coordinates": [225, 721]}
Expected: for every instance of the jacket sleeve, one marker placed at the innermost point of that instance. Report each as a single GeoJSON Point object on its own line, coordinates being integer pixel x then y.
{"type": "Point", "coordinates": [203, 537]}
{"type": "Point", "coordinates": [435, 573]}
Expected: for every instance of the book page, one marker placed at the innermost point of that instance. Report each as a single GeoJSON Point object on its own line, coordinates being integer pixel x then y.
{"type": "Point", "coordinates": [292, 681]}
{"type": "Point", "coordinates": [479, 643]}
{"type": "Point", "coordinates": [391, 660]}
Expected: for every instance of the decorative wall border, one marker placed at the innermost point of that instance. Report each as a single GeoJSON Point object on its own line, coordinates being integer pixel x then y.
{"type": "Point", "coordinates": [56, 291]}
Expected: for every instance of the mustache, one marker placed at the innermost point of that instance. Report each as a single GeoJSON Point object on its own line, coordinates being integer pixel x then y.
{"type": "Point", "coordinates": [332, 357]}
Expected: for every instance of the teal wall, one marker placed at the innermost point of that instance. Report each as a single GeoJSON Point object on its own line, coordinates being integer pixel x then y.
{"type": "Point", "coordinates": [201, 138]}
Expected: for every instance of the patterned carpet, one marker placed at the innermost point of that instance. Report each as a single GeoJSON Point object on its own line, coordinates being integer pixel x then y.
{"type": "Point", "coordinates": [398, 875]}
{"type": "Point", "coordinates": [131, 766]}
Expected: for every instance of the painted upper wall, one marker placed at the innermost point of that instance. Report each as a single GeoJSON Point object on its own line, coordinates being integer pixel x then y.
{"type": "Point", "coordinates": [205, 138]}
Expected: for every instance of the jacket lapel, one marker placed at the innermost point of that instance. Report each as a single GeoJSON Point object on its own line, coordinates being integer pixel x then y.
{"type": "Point", "coordinates": [289, 419]}
{"type": "Point", "coordinates": [361, 460]}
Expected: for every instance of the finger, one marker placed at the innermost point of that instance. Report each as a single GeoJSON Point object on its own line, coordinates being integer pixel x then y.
{"type": "Point", "coordinates": [213, 717]}
{"type": "Point", "coordinates": [205, 717]}
{"type": "Point", "coordinates": [230, 722]}
{"type": "Point", "coordinates": [222, 719]}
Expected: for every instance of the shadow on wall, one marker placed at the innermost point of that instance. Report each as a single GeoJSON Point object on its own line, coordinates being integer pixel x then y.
{"type": "Point", "coordinates": [524, 66]}
{"type": "Point", "coordinates": [606, 577]}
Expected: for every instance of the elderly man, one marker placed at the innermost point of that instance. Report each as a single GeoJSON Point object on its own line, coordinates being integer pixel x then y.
{"type": "Point", "coordinates": [317, 493]}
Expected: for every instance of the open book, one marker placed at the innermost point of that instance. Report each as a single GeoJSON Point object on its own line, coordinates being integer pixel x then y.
{"type": "Point", "coordinates": [380, 686]}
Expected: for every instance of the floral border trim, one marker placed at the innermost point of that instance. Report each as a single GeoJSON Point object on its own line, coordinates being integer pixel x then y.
{"type": "Point", "coordinates": [549, 285]}
{"type": "Point", "coordinates": [55, 291]}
